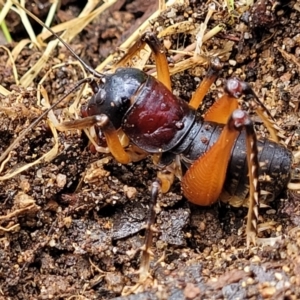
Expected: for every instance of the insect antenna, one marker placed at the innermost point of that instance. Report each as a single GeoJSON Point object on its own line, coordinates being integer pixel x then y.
{"type": "Point", "coordinates": [33, 124]}
{"type": "Point", "coordinates": [236, 88]}
{"type": "Point", "coordinates": [84, 64]}
{"type": "Point", "coordinates": [90, 80]}
{"type": "Point", "coordinates": [264, 113]}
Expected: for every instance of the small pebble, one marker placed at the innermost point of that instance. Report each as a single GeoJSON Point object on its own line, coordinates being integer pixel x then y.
{"type": "Point", "coordinates": [232, 62]}
{"type": "Point", "coordinates": [61, 180]}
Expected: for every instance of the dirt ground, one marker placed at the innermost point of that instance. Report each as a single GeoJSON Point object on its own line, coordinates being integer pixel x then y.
{"type": "Point", "coordinates": [70, 226]}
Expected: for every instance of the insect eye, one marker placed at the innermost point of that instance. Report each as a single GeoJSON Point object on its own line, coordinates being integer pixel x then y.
{"type": "Point", "coordinates": [100, 97]}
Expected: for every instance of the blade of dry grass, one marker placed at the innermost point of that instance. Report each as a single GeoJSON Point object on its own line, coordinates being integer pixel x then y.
{"type": "Point", "coordinates": [51, 14]}
{"type": "Point", "coordinates": [5, 9]}
{"type": "Point", "coordinates": [4, 91]}
{"type": "Point", "coordinates": [19, 47]}
{"type": "Point", "coordinates": [12, 63]}
{"type": "Point", "coordinates": [134, 37]}
{"type": "Point", "coordinates": [26, 23]}
{"type": "Point", "coordinates": [203, 27]}
{"type": "Point", "coordinates": [73, 28]}
{"type": "Point", "coordinates": [5, 32]}
{"type": "Point", "coordinates": [50, 155]}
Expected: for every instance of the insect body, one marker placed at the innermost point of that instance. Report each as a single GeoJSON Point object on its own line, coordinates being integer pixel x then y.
{"type": "Point", "coordinates": [158, 122]}
{"type": "Point", "coordinates": [220, 159]}
{"type": "Point", "coordinates": [218, 163]}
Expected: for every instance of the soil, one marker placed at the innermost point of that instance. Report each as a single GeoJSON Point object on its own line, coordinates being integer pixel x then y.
{"type": "Point", "coordinates": [71, 226]}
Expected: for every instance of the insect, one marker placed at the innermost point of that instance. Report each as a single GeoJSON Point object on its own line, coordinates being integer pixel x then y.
{"type": "Point", "coordinates": [132, 103]}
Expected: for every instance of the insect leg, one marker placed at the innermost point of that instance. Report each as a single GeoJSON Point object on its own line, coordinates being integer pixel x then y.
{"type": "Point", "coordinates": [161, 62]}
{"type": "Point", "coordinates": [146, 249]}
{"type": "Point", "coordinates": [269, 123]}
{"type": "Point", "coordinates": [168, 174]}
{"type": "Point", "coordinates": [144, 274]}
{"type": "Point", "coordinates": [203, 182]}
{"type": "Point", "coordinates": [112, 139]}
{"type": "Point", "coordinates": [209, 79]}
{"type": "Point", "coordinates": [254, 190]}
{"type": "Point", "coordinates": [221, 110]}
{"type": "Point", "coordinates": [260, 109]}
{"type": "Point", "coordinates": [223, 107]}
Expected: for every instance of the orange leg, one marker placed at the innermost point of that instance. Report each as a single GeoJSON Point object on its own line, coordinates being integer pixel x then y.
{"type": "Point", "coordinates": [224, 106]}
{"type": "Point", "coordinates": [221, 109]}
{"type": "Point", "coordinates": [109, 131]}
{"type": "Point", "coordinates": [206, 83]}
{"type": "Point", "coordinates": [163, 74]}
{"type": "Point", "coordinates": [204, 180]}
{"type": "Point", "coordinates": [202, 183]}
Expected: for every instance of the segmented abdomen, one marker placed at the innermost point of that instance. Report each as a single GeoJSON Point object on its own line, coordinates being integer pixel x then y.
{"type": "Point", "coordinates": [275, 163]}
